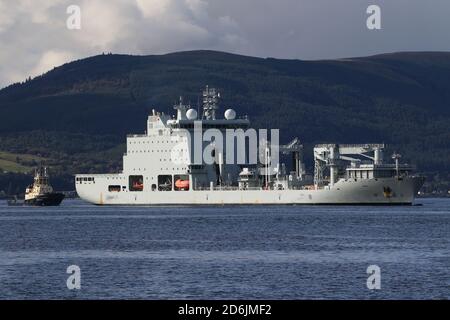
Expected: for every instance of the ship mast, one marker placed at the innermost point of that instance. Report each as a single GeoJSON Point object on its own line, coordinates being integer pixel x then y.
{"type": "Point", "coordinates": [210, 103]}
{"type": "Point", "coordinates": [396, 157]}
{"type": "Point", "coordinates": [181, 109]}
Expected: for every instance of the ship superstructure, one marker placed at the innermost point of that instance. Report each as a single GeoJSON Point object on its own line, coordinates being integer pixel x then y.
{"type": "Point", "coordinates": [181, 161]}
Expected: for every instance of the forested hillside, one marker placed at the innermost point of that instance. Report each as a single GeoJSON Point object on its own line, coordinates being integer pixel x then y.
{"type": "Point", "coordinates": [75, 117]}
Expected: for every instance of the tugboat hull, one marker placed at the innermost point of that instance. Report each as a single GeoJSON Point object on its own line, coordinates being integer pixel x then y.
{"type": "Point", "coordinates": [50, 199]}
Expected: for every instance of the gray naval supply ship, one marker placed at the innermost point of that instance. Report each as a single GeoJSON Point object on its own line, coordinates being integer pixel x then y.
{"type": "Point", "coordinates": [162, 167]}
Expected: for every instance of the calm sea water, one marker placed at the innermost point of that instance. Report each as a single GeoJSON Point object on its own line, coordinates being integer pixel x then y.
{"type": "Point", "coordinates": [286, 252]}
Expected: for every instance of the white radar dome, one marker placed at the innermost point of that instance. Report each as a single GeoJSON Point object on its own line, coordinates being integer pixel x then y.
{"type": "Point", "coordinates": [191, 114]}
{"type": "Point", "coordinates": [230, 114]}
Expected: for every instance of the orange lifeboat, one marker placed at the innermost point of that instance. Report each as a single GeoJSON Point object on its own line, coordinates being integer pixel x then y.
{"type": "Point", "coordinates": [182, 184]}
{"type": "Point", "coordinates": [138, 186]}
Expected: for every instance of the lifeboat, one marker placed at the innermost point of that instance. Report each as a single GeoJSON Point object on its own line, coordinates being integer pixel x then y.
{"type": "Point", "coordinates": [138, 186]}
{"type": "Point", "coordinates": [182, 184]}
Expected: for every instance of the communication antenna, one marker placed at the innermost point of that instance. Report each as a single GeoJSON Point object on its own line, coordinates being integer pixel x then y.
{"type": "Point", "coordinates": [198, 104]}
{"type": "Point", "coordinates": [396, 157]}
{"type": "Point", "coordinates": [210, 103]}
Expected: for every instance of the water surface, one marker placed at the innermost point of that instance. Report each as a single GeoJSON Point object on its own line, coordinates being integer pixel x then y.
{"type": "Point", "coordinates": [263, 252]}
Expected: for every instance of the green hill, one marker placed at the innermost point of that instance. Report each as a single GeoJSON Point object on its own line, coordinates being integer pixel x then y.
{"type": "Point", "coordinates": [76, 115]}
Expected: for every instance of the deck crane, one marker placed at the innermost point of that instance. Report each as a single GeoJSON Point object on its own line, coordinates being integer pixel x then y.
{"type": "Point", "coordinates": [330, 155]}
{"type": "Point", "coordinates": [296, 149]}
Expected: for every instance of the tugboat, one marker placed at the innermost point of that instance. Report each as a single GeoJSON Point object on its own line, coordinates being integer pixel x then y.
{"type": "Point", "coordinates": [40, 193]}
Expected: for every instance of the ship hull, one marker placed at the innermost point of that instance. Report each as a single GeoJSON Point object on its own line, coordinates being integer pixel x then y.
{"type": "Point", "coordinates": [50, 199]}
{"type": "Point", "coordinates": [344, 192]}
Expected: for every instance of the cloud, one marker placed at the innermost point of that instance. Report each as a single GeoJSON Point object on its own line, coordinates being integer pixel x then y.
{"type": "Point", "coordinates": [34, 37]}
{"type": "Point", "coordinates": [153, 8]}
{"type": "Point", "coordinates": [37, 37]}
{"type": "Point", "coordinates": [40, 13]}
{"type": "Point", "coordinates": [104, 24]}
{"type": "Point", "coordinates": [51, 59]}
{"type": "Point", "coordinates": [6, 18]}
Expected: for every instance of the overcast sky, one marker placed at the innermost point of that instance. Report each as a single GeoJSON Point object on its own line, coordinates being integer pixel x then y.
{"type": "Point", "coordinates": [34, 36]}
